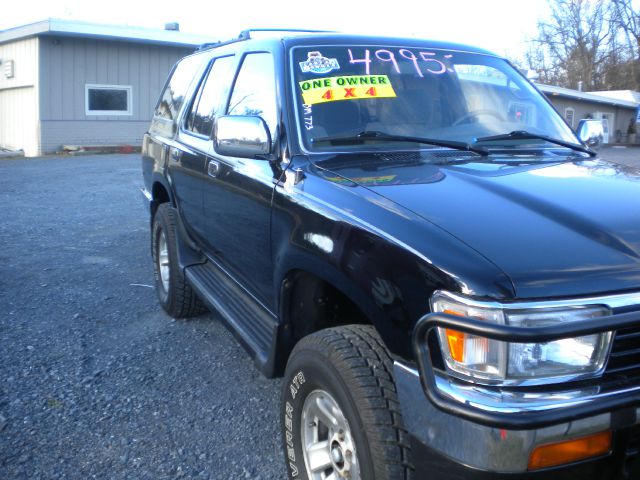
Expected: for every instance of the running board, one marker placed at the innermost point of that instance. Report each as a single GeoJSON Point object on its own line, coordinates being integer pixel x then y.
{"type": "Point", "coordinates": [255, 327]}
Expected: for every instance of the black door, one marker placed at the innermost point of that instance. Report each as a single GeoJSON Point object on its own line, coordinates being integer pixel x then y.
{"type": "Point", "coordinates": [189, 157]}
{"type": "Point", "coordinates": [238, 191]}
{"type": "Point", "coordinates": [185, 168]}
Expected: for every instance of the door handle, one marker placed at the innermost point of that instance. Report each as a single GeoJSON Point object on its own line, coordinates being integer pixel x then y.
{"type": "Point", "coordinates": [176, 154]}
{"type": "Point", "coordinates": [213, 168]}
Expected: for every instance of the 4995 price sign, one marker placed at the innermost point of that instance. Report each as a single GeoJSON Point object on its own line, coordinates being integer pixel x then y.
{"type": "Point", "coordinates": [348, 87]}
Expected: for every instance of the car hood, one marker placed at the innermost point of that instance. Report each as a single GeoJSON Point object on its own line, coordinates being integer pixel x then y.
{"type": "Point", "coordinates": [564, 227]}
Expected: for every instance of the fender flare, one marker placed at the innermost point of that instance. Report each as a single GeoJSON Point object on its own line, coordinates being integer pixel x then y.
{"type": "Point", "coordinates": [300, 261]}
{"type": "Point", "coordinates": [157, 178]}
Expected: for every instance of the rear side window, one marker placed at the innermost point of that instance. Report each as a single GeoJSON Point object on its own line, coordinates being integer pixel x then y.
{"type": "Point", "coordinates": [211, 96]}
{"type": "Point", "coordinates": [174, 93]}
{"type": "Point", "coordinates": [254, 92]}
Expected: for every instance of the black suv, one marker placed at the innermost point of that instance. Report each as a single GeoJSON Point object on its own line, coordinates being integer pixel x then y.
{"type": "Point", "coordinates": [445, 274]}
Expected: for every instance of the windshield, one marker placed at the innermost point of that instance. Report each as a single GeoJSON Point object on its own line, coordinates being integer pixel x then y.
{"type": "Point", "coordinates": [352, 91]}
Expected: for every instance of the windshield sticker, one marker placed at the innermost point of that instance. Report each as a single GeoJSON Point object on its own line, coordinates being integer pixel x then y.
{"type": "Point", "coordinates": [316, 63]}
{"type": "Point", "coordinates": [423, 62]}
{"type": "Point", "coordinates": [351, 87]}
{"type": "Point", "coordinates": [308, 116]}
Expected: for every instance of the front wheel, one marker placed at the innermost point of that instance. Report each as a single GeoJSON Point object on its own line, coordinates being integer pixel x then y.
{"type": "Point", "coordinates": [341, 417]}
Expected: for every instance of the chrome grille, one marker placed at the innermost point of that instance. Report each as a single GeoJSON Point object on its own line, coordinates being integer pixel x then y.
{"type": "Point", "coordinates": [625, 352]}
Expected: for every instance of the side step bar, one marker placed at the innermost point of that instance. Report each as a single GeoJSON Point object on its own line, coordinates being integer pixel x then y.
{"type": "Point", "coordinates": [255, 327]}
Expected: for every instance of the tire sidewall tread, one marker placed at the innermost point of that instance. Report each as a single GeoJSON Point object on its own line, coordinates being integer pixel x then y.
{"type": "Point", "coordinates": [179, 301]}
{"type": "Point", "coordinates": [353, 366]}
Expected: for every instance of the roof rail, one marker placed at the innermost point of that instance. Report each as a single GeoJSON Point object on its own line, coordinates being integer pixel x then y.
{"type": "Point", "coordinates": [246, 35]}
{"type": "Point", "coordinates": [207, 46]}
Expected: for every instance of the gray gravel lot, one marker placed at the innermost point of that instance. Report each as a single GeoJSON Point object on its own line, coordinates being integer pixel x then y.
{"type": "Point", "coordinates": [95, 380]}
{"type": "Point", "coordinates": [628, 156]}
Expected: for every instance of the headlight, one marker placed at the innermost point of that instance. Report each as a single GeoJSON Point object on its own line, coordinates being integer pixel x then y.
{"type": "Point", "coordinates": [496, 362]}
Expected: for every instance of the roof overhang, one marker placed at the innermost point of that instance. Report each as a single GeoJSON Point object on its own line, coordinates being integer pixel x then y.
{"type": "Point", "coordinates": [68, 28]}
{"type": "Point", "coordinates": [552, 91]}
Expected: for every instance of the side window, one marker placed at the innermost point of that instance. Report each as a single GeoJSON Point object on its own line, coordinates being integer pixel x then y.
{"type": "Point", "coordinates": [172, 97]}
{"type": "Point", "coordinates": [210, 97]}
{"type": "Point", "coordinates": [254, 92]}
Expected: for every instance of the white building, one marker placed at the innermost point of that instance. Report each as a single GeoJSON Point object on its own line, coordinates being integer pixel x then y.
{"type": "Point", "coordinates": [66, 82]}
{"type": "Point", "coordinates": [615, 110]}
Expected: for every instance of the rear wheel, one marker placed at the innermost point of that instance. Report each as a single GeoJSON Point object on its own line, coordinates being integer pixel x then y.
{"type": "Point", "coordinates": [341, 417]}
{"type": "Point", "coordinates": [174, 293]}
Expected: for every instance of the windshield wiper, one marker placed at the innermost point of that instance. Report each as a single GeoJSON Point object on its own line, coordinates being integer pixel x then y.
{"type": "Point", "coordinates": [524, 135]}
{"type": "Point", "coordinates": [387, 137]}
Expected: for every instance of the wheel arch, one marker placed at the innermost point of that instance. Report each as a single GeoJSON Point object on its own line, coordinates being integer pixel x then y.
{"type": "Point", "coordinates": [160, 193]}
{"type": "Point", "coordinates": [311, 280]}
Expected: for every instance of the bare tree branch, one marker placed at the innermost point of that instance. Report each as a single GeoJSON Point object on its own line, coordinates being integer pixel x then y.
{"type": "Point", "coordinates": [583, 43]}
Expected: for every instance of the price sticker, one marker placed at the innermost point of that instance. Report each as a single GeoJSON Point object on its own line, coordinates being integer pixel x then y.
{"type": "Point", "coordinates": [348, 87]}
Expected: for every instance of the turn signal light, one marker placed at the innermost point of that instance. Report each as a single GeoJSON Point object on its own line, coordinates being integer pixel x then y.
{"type": "Point", "coordinates": [561, 453]}
{"type": "Point", "coordinates": [455, 340]}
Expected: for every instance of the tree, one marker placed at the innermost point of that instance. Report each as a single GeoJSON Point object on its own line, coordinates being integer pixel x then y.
{"type": "Point", "coordinates": [573, 46]}
{"type": "Point", "coordinates": [627, 19]}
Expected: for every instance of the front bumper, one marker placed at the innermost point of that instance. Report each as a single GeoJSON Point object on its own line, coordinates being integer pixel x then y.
{"type": "Point", "coordinates": [448, 446]}
{"type": "Point", "coordinates": [519, 408]}
{"type": "Point", "coordinates": [479, 430]}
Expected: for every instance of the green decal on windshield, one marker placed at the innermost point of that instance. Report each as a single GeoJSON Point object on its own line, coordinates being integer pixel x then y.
{"type": "Point", "coordinates": [363, 180]}
{"type": "Point", "coordinates": [349, 87]}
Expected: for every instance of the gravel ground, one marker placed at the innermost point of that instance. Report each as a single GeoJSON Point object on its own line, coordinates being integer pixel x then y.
{"type": "Point", "coordinates": [628, 156]}
{"type": "Point", "coordinates": [95, 380]}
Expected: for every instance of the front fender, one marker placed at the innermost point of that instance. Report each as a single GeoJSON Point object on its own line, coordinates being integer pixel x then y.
{"type": "Point", "coordinates": [384, 258]}
{"type": "Point", "coordinates": [389, 284]}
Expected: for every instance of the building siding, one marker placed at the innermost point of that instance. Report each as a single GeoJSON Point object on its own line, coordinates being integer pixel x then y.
{"type": "Point", "coordinates": [18, 97]}
{"type": "Point", "coordinates": [18, 117]}
{"type": "Point", "coordinates": [57, 133]}
{"type": "Point", "coordinates": [69, 64]}
{"type": "Point", "coordinates": [582, 109]}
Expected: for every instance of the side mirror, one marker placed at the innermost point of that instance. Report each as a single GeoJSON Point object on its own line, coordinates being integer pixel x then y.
{"type": "Point", "coordinates": [591, 133]}
{"type": "Point", "coordinates": [242, 136]}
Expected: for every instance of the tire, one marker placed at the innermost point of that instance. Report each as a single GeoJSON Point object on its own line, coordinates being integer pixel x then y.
{"type": "Point", "coordinates": [174, 293]}
{"type": "Point", "coordinates": [348, 368]}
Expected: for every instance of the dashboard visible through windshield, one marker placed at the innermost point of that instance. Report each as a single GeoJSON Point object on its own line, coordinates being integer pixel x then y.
{"type": "Point", "coordinates": [375, 95]}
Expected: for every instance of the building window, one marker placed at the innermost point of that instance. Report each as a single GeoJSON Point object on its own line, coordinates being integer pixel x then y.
{"type": "Point", "coordinates": [568, 116]}
{"type": "Point", "coordinates": [108, 99]}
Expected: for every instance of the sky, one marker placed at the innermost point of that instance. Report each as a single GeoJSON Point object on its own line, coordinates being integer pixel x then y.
{"type": "Point", "coordinates": [501, 26]}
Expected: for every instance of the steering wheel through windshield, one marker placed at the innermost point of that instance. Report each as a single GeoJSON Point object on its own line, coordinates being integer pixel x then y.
{"type": "Point", "coordinates": [475, 114]}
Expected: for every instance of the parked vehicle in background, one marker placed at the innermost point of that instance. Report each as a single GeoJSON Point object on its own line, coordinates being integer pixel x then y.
{"type": "Point", "coordinates": [446, 276]}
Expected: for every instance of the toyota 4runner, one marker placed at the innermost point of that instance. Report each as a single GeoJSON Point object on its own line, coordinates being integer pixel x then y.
{"type": "Point", "coordinates": [446, 275]}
